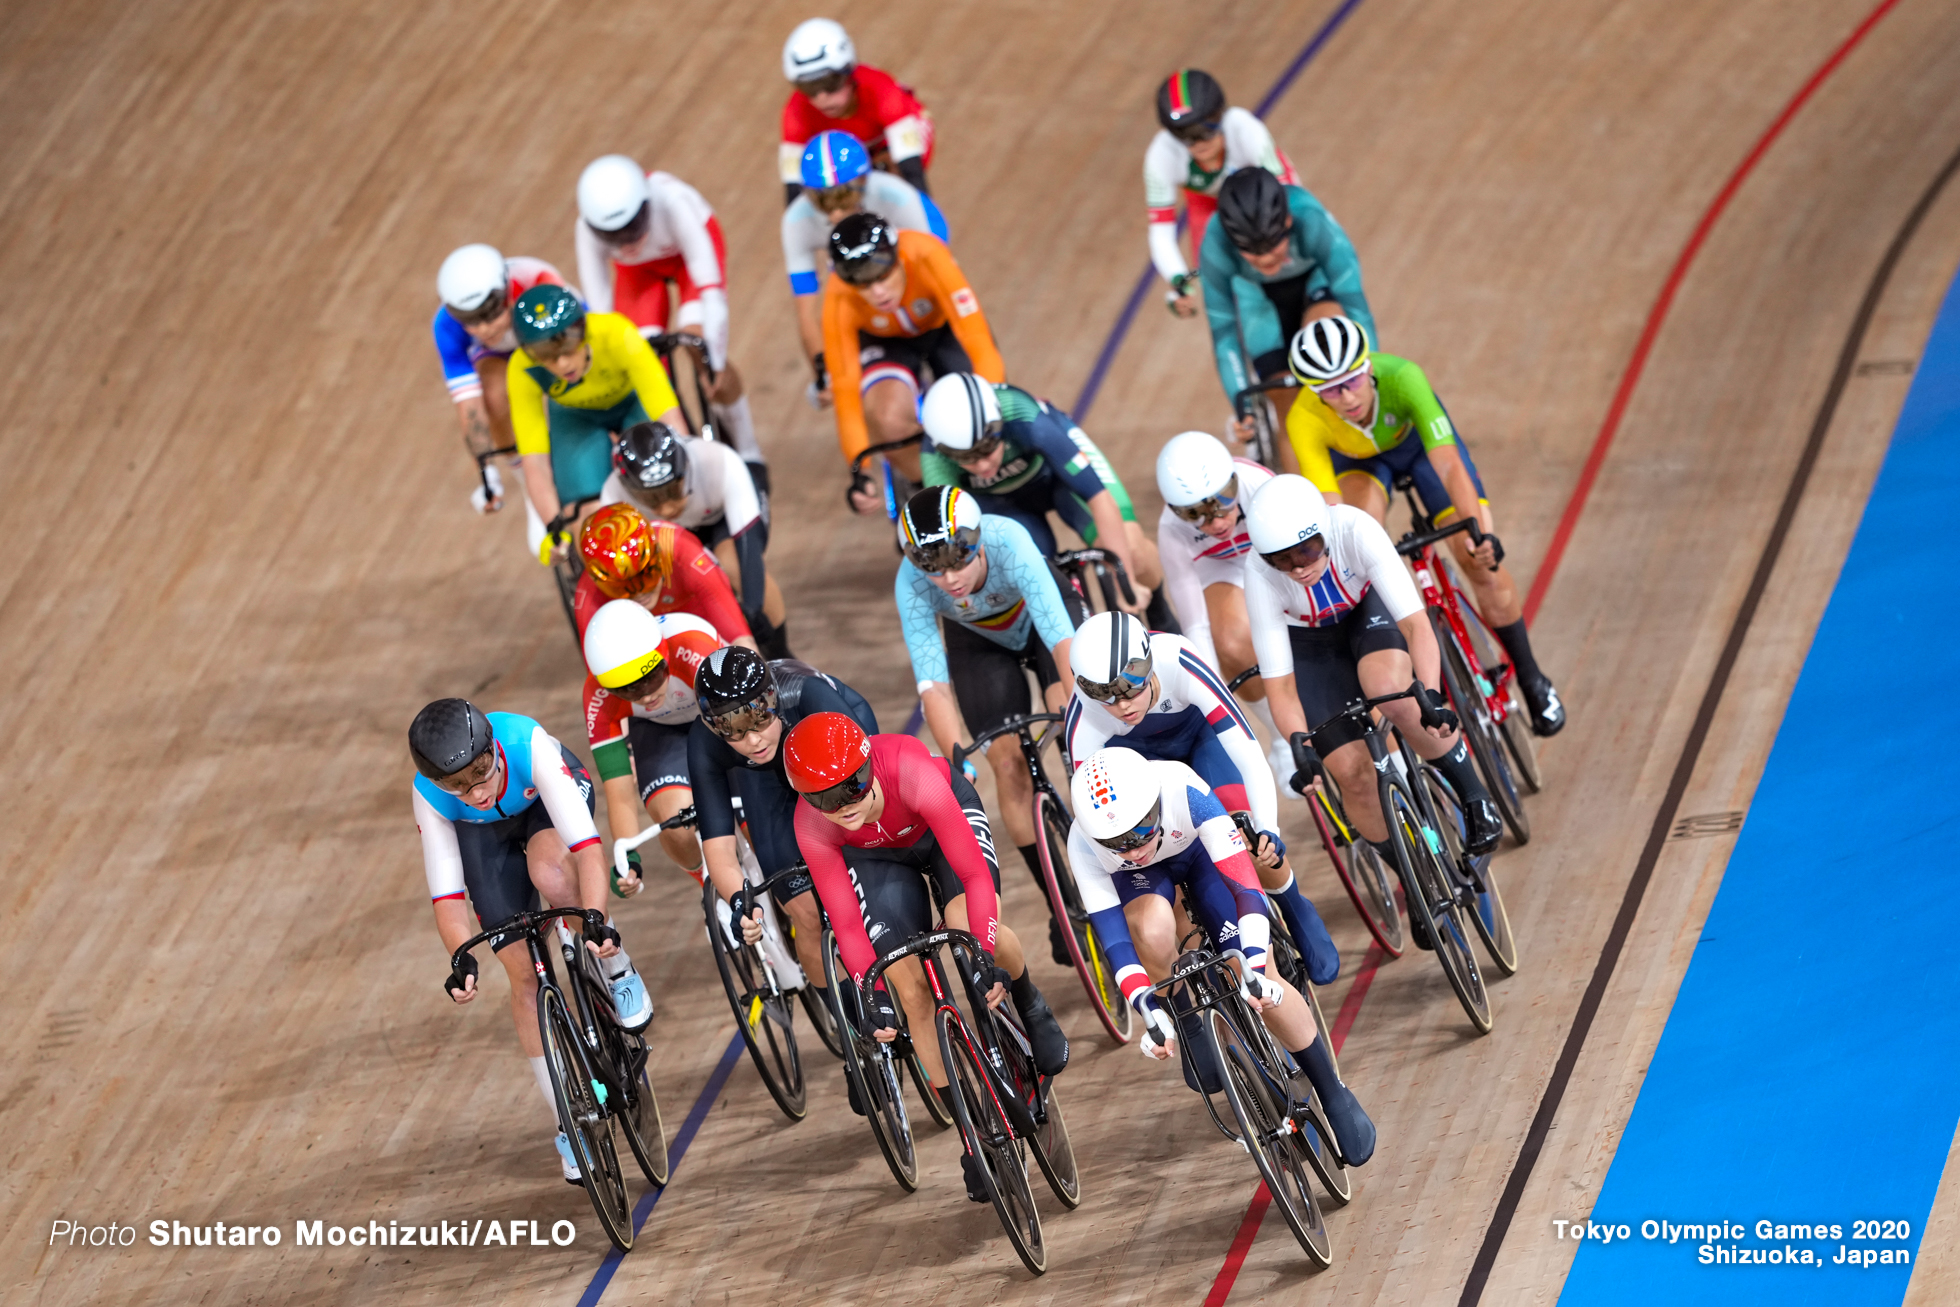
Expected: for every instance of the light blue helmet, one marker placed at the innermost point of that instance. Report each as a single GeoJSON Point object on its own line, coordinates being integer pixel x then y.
{"type": "Point", "coordinates": [834, 159]}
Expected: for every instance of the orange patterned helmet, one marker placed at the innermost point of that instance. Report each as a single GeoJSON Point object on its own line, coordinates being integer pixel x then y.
{"type": "Point", "coordinates": [617, 548]}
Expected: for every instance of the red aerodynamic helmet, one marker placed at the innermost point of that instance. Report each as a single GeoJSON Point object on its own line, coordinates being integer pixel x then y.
{"type": "Point", "coordinates": [827, 758]}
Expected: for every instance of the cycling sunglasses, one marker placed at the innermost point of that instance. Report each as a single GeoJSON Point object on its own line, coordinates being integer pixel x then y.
{"type": "Point", "coordinates": [1329, 389]}
{"type": "Point", "coordinates": [989, 441]}
{"type": "Point", "coordinates": [1192, 133]}
{"type": "Point", "coordinates": [475, 774]}
{"type": "Point", "coordinates": [1294, 557]}
{"type": "Point", "coordinates": [483, 312]}
{"type": "Point", "coordinates": [1137, 836]}
{"type": "Point", "coordinates": [1217, 505]}
{"type": "Point", "coordinates": [828, 83]}
{"type": "Point", "coordinates": [745, 720]}
{"type": "Point", "coordinates": [829, 199]}
{"type": "Point", "coordinates": [557, 347]}
{"type": "Point", "coordinates": [844, 793]}
{"type": "Point", "coordinates": [1133, 680]}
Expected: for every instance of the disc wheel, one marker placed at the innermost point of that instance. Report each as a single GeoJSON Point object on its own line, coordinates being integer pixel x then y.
{"type": "Point", "coordinates": [1264, 1131]}
{"type": "Point", "coordinates": [762, 1012]}
{"type": "Point", "coordinates": [1485, 907]}
{"type": "Point", "coordinates": [1493, 759]}
{"type": "Point", "coordinates": [986, 1136]}
{"type": "Point", "coordinates": [582, 1115]}
{"type": "Point", "coordinates": [1092, 964]}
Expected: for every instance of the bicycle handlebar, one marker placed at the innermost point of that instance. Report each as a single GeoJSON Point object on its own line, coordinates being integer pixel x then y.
{"type": "Point", "coordinates": [930, 942]}
{"type": "Point", "coordinates": [1415, 542]}
{"type": "Point", "coordinates": [870, 452]}
{"type": "Point", "coordinates": [1242, 402]}
{"type": "Point", "coordinates": [1012, 725]}
{"type": "Point", "coordinates": [523, 923]}
{"type": "Point", "coordinates": [567, 514]}
{"type": "Point", "coordinates": [627, 843]}
{"type": "Point", "coordinates": [666, 342]}
{"type": "Point", "coordinates": [1074, 557]}
{"type": "Point", "coordinates": [1244, 676]}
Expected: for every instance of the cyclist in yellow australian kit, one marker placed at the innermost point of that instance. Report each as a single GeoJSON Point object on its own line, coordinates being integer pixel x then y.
{"type": "Point", "coordinates": [576, 381]}
{"type": "Point", "coordinates": [1364, 419]}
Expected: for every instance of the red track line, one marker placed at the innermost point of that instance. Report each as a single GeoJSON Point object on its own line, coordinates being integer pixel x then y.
{"type": "Point", "coordinates": [1658, 314]}
{"type": "Point", "coordinates": [1228, 1274]}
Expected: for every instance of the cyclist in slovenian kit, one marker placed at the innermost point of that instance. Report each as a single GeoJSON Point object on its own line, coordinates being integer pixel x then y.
{"type": "Point", "coordinates": [1146, 829]}
{"type": "Point", "coordinates": [1364, 419]}
{"type": "Point", "coordinates": [1022, 457]}
{"type": "Point", "coordinates": [505, 811]}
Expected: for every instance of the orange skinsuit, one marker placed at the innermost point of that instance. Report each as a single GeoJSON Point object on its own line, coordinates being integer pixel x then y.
{"type": "Point", "coordinates": [936, 293]}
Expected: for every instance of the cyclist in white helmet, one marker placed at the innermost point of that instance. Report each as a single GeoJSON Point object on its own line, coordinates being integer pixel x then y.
{"type": "Point", "coordinates": [834, 92]}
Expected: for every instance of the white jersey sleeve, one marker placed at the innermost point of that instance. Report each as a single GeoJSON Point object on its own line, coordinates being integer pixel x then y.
{"type": "Point", "coordinates": [687, 215]}
{"type": "Point", "coordinates": [1190, 681]}
{"type": "Point", "coordinates": [895, 200]}
{"type": "Point", "coordinates": [1181, 583]}
{"type": "Point", "coordinates": [559, 793]}
{"type": "Point", "coordinates": [442, 858]}
{"type": "Point", "coordinates": [1249, 144]}
{"type": "Point", "coordinates": [741, 507]}
{"type": "Point", "coordinates": [1094, 868]}
{"type": "Point", "coordinates": [1165, 165]}
{"type": "Point", "coordinates": [1265, 610]}
{"type": "Point", "coordinates": [595, 268]}
{"type": "Point", "coordinates": [805, 232]}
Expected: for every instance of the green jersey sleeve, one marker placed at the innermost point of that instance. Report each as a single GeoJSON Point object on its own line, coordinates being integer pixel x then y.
{"type": "Point", "coordinates": [1405, 391]}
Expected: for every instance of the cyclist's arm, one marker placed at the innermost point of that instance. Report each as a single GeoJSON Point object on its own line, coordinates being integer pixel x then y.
{"type": "Point", "coordinates": [1217, 268]}
{"type": "Point", "coordinates": [1023, 567]}
{"type": "Point", "coordinates": [704, 267]}
{"type": "Point", "coordinates": [1105, 909]}
{"type": "Point", "coordinates": [1225, 848]}
{"type": "Point", "coordinates": [926, 790]}
{"type": "Point", "coordinates": [442, 861]}
{"type": "Point", "coordinates": [840, 356]}
{"type": "Point", "coordinates": [643, 369]}
{"type": "Point", "coordinates": [1306, 433]}
{"type": "Point", "coordinates": [821, 845]}
{"type": "Point", "coordinates": [595, 268]}
{"type": "Point", "coordinates": [962, 309]}
{"type": "Point", "coordinates": [1272, 646]}
{"type": "Point", "coordinates": [803, 234]}
{"type": "Point", "coordinates": [705, 589]}
{"type": "Point", "coordinates": [606, 733]}
{"type": "Point", "coordinates": [1181, 584]}
{"type": "Point", "coordinates": [707, 776]}
{"type": "Point", "coordinates": [1385, 571]}
{"type": "Point", "coordinates": [1085, 729]}
{"type": "Point", "coordinates": [1160, 169]}
{"type": "Point", "coordinates": [1205, 689]}
{"type": "Point", "coordinates": [533, 433]}
{"type": "Point", "coordinates": [927, 649]}
{"type": "Point", "coordinates": [465, 387]}
{"type": "Point", "coordinates": [566, 803]}
{"type": "Point", "coordinates": [1425, 413]}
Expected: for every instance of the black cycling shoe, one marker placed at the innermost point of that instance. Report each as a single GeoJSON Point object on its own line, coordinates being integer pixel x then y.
{"type": "Point", "coordinates": [1354, 1132]}
{"type": "Point", "coordinates": [851, 1092]}
{"type": "Point", "coordinates": [976, 1178]}
{"type": "Point", "coordinates": [1547, 713]}
{"type": "Point", "coordinates": [1057, 946]}
{"type": "Point", "coordinates": [1044, 1035]}
{"type": "Point", "coordinates": [1483, 827]}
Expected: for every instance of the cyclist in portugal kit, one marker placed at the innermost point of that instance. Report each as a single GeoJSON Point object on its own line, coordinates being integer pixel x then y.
{"type": "Point", "coordinates": [1201, 143]}
{"type": "Point", "coordinates": [1145, 830]}
{"type": "Point", "coordinates": [834, 92]}
{"type": "Point", "coordinates": [1365, 419]}
{"type": "Point", "coordinates": [505, 811]}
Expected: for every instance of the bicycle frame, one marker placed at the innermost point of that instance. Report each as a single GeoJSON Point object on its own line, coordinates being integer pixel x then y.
{"type": "Point", "coordinates": [1440, 593]}
{"type": "Point", "coordinates": [870, 452]}
{"type": "Point", "coordinates": [1214, 987]}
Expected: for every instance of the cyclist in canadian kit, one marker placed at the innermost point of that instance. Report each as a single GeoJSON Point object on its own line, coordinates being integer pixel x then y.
{"type": "Point", "coordinates": [703, 486]}
{"type": "Point", "coordinates": [657, 565]}
{"type": "Point", "coordinates": [1365, 419]}
{"type": "Point", "coordinates": [1021, 457]}
{"type": "Point", "coordinates": [1145, 829]}
{"type": "Point", "coordinates": [639, 706]}
{"type": "Point", "coordinates": [1335, 616]}
{"type": "Point", "coordinates": [1201, 142]}
{"type": "Point", "coordinates": [896, 313]}
{"type": "Point", "coordinates": [838, 181]}
{"type": "Point", "coordinates": [577, 381]}
{"type": "Point", "coordinates": [1152, 693]}
{"type": "Point", "coordinates": [638, 235]}
{"type": "Point", "coordinates": [1005, 612]}
{"type": "Point", "coordinates": [734, 753]}
{"type": "Point", "coordinates": [505, 811]}
{"type": "Point", "coordinates": [887, 829]}
{"type": "Point", "coordinates": [474, 340]}
{"type": "Point", "coordinates": [834, 92]}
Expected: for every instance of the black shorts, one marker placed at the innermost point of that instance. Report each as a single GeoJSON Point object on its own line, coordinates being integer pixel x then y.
{"type": "Point", "coordinates": [1324, 665]}
{"type": "Point", "coordinates": [989, 680]}
{"type": "Point", "coordinates": [659, 755]}
{"type": "Point", "coordinates": [1291, 298]}
{"type": "Point", "coordinates": [924, 358]}
{"type": "Point", "coordinates": [495, 870]}
{"type": "Point", "coordinates": [902, 892]}
{"type": "Point", "coordinates": [713, 533]}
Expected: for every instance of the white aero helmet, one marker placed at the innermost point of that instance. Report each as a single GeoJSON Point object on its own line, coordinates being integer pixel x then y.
{"type": "Point", "coordinates": [471, 277]}
{"type": "Point", "coordinates": [1283, 512]}
{"type": "Point", "coordinates": [1327, 351]}
{"type": "Point", "coordinates": [1192, 468]}
{"type": "Point", "coordinates": [1110, 656]}
{"type": "Point", "coordinates": [960, 411]}
{"type": "Point", "coordinates": [1119, 802]}
{"type": "Point", "coordinates": [611, 191]}
{"type": "Point", "coordinates": [816, 47]}
{"type": "Point", "coordinates": [622, 645]}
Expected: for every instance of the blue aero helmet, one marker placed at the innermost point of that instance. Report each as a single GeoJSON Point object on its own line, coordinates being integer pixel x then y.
{"type": "Point", "coordinates": [834, 159]}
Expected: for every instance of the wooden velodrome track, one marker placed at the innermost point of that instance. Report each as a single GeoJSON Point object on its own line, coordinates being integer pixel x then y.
{"type": "Point", "coordinates": [241, 559]}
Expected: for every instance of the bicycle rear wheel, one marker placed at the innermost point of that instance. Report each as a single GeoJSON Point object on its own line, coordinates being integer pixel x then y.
{"type": "Point", "coordinates": [1265, 1132]}
{"type": "Point", "coordinates": [868, 1067]}
{"type": "Point", "coordinates": [1038, 1114]}
{"type": "Point", "coordinates": [1265, 433]}
{"type": "Point", "coordinates": [1431, 892]}
{"type": "Point", "coordinates": [1516, 726]}
{"type": "Point", "coordinates": [1360, 869]}
{"type": "Point", "coordinates": [762, 1012]}
{"type": "Point", "coordinates": [1480, 732]}
{"type": "Point", "coordinates": [1092, 964]}
{"type": "Point", "coordinates": [1485, 908]}
{"type": "Point", "coordinates": [822, 1020]}
{"type": "Point", "coordinates": [988, 1138]}
{"type": "Point", "coordinates": [566, 572]}
{"type": "Point", "coordinates": [582, 1114]}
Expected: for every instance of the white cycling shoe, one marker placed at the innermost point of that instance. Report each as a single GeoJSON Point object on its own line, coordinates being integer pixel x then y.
{"type": "Point", "coordinates": [569, 1162]}
{"type": "Point", "coordinates": [630, 997]}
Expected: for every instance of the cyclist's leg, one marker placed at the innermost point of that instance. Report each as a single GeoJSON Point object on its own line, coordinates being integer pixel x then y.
{"type": "Point", "coordinates": [1326, 679]}
{"type": "Point", "coordinates": [581, 447]}
{"type": "Point", "coordinates": [660, 763]}
{"type": "Point", "coordinates": [493, 374]}
{"type": "Point", "coordinates": [898, 907]}
{"type": "Point", "coordinates": [774, 610]}
{"type": "Point", "coordinates": [805, 915]}
{"type": "Point", "coordinates": [1363, 483]}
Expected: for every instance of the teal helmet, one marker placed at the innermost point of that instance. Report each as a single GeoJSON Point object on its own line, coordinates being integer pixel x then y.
{"type": "Point", "coordinates": [545, 311]}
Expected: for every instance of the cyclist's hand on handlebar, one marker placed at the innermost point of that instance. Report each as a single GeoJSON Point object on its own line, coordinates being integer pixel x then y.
{"type": "Point", "coordinates": [600, 937]}
{"type": "Point", "coordinates": [746, 910]}
{"type": "Point", "coordinates": [633, 881]}
{"type": "Point", "coordinates": [461, 983]}
{"type": "Point", "coordinates": [989, 980]}
{"type": "Point", "coordinates": [1244, 430]}
{"type": "Point", "coordinates": [492, 499]}
{"type": "Point", "coordinates": [1260, 989]}
{"type": "Point", "coordinates": [1437, 717]}
{"type": "Point", "coordinates": [865, 495]}
{"type": "Point", "coordinates": [1159, 1042]}
{"type": "Point", "coordinates": [881, 1015]}
{"type": "Point", "coordinates": [1307, 762]}
{"type": "Point", "coordinates": [1139, 602]}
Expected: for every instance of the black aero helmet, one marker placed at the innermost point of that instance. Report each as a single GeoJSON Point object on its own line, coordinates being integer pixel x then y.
{"type": "Point", "coordinates": [939, 529]}
{"type": "Point", "coordinates": [1187, 96]}
{"type": "Point", "coordinates": [650, 456]}
{"type": "Point", "coordinates": [1252, 208]}
{"type": "Point", "coordinates": [863, 248]}
{"type": "Point", "coordinates": [447, 736]}
{"type": "Point", "coordinates": [732, 676]}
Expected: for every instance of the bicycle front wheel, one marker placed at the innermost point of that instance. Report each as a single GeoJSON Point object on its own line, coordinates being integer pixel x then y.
{"type": "Point", "coordinates": [1361, 873]}
{"type": "Point", "coordinates": [867, 1066]}
{"type": "Point", "coordinates": [1466, 696]}
{"type": "Point", "coordinates": [762, 1012]}
{"type": "Point", "coordinates": [582, 1115]}
{"type": "Point", "coordinates": [1092, 964]}
{"type": "Point", "coordinates": [1268, 1136]}
{"type": "Point", "coordinates": [987, 1136]}
{"type": "Point", "coordinates": [1432, 893]}
{"type": "Point", "coordinates": [1516, 725]}
{"type": "Point", "coordinates": [1484, 907]}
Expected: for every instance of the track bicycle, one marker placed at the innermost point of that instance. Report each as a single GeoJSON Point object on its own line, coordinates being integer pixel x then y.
{"type": "Point", "coordinates": [1051, 829]}
{"type": "Point", "coordinates": [897, 486]}
{"type": "Point", "coordinates": [1276, 1115]}
{"type": "Point", "coordinates": [598, 1069]}
{"type": "Point", "coordinates": [1253, 402]}
{"type": "Point", "coordinates": [666, 345]}
{"type": "Point", "coordinates": [1006, 1109]}
{"type": "Point", "coordinates": [1369, 885]}
{"type": "Point", "coordinates": [1483, 690]}
{"type": "Point", "coordinates": [1435, 889]}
